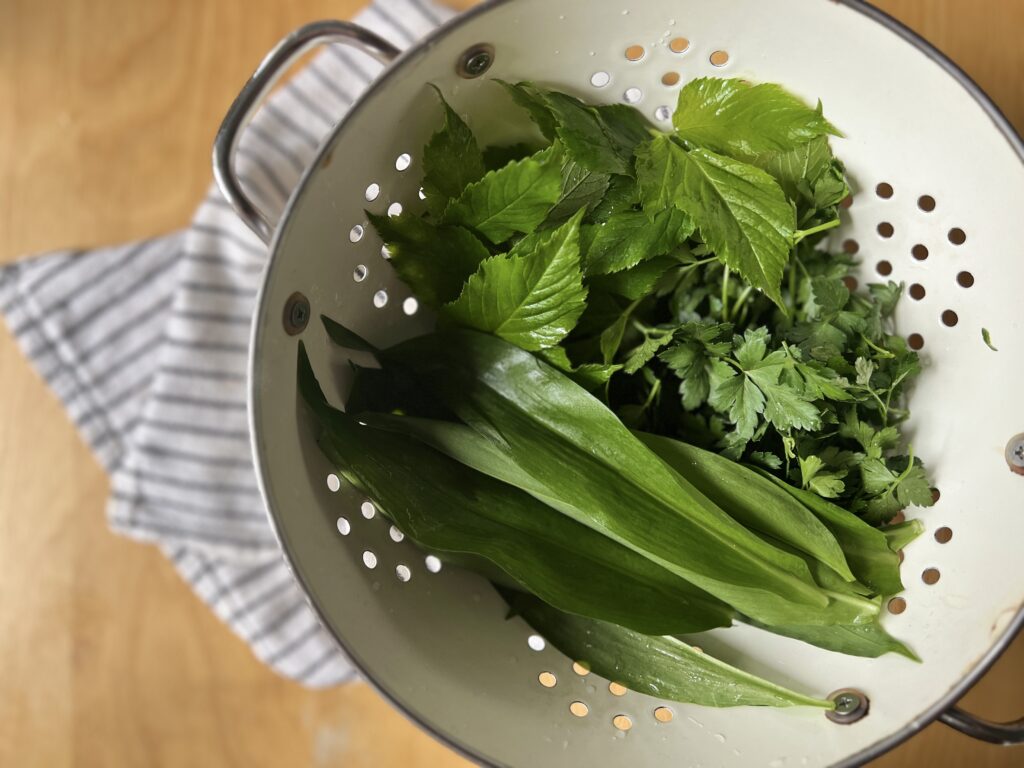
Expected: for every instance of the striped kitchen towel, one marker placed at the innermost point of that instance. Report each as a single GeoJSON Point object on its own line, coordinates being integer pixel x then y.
{"type": "Point", "coordinates": [146, 345]}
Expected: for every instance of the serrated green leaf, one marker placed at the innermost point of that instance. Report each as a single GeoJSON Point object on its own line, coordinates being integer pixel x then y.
{"type": "Point", "coordinates": [663, 667]}
{"type": "Point", "coordinates": [434, 261]}
{"type": "Point", "coordinates": [825, 298]}
{"type": "Point", "coordinates": [741, 212]}
{"type": "Point", "coordinates": [512, 199]}
{"type": "Point", "coordinates": [531, 98]}
{"type": "Point", "coordinates": [590, 376]}
{"type": "Point", "coordinates": [623, 195]}
{"type": "Point", "coordinates": [581, 188]}
{"type": "Point", "coordinates": [451, 160]}
{"type": "Point", "coordinates": [628, 238]}
{"type": "Point", "coordinates": [599, 138]}
{"type": "Point", "coordinates": [733, 116]}
{"type": "Point", "coordinates": [811, 177]}
{"type": "Point", "coordinates": [496, 157]}
{"type": "Point", "coordinates": [735, 395]}
{"type": "Point", "coordinates": [531, 297]}
{"type": "Point", "coordinates": [635, 282]}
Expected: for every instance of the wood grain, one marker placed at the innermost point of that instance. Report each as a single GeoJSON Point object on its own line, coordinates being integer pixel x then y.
{"type": "Point", "coordinates": [106, 657]}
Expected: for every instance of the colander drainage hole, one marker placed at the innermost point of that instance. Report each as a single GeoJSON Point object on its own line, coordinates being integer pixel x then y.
{"type": "Point", "coordinates": [957, 236]}
{"type": "Point", "coordinates": [344, 526]}
{"type": "Point", "coordinates": [850, 246]}
{"type": "Point", "coordinates": [403, 161]}
{"type": "Point", "coordinates": [886, 230]}
{"type": "Point", "coordinates": [635, 53]}
{"type": "Point", "coordinates": [622, 722]}
{"type": "Point", "coordinates": [579, 709]}
{"type": "Point", "coordinates": [410, 306]}
{"type": "Point", "coordinates": [919, 252]}
{"type": "Point", "coordinates": [368, 509]}
{"type": "Point", "coordinates": [360, 272]}
{"type": "Point", "coordinates": [950, 318]}
{"type": "Point", "coordinates": [926, 203]}
{"type": "Point", "coordinates": [917, 292]}
{"type": "Point", "coordinates": [380, 299]}
{"type": "Point", "coordinates": [536, 643]}
{"type": "Point", "coordinates": [433, 564]}
{"type": "Point", "coordinates": [395, 534]}
{"type": "Point", "coordinates": [719, 58]}
{"type": "Point", "coordinates": [679, 45]}
{"type": "Point", "coordinates": [897, 605]}
{"type": "Point", "coordinates": [600, 79]}
{"type": "Point", "coordinates": [369, 559]}
{"type": "Point", "coordinates": [884, 190]}
{"type": "Point", "coordinates": [662, 113]}
{"type": "Point", "coordinates": [884, 268]}
{"type": "Point", "coordinates": [385, 253]}
{"type": "Point", "coordinates": [916, 341]}
{"type": "Point", "coordinates": [422, 194]}
{"type": "Point", "coordinates": [372, 192]}
{"type": "Point", "coordinates": [931, 576]}
{"type": "Point", "coordinates": [403, 573]}
{"type": "Point", "coordinates": [670, 79]}
{"type": "Point", "coordinates": [664, 715]}
{"type": "Point", "coordinates": [944, 535]}
{"type": "Point", "coordinates": [356, 233]}
{"type": "Point", "coordinates": [394, 209]}
{"type": "Point", "coordinates": [333, 483]}
{"type": "Point", "coordinates": [547, 679]}
{"type": "Point", "coordinates": [581, 668]}
{"type": "Point", "coordinates": [617, 689]}
{"type": "Point", "coordinates": [965, 279]}
{"type": "Point", "coordinates": [632, 95]}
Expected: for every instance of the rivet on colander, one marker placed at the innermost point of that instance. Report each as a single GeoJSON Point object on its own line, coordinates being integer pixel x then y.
{"type": "Point", "coordinates": [296, 314]}
{"type": "Point", "coordinates": [475, 61]}
{"type": "Point", "coordinates": [1015, 454]}
{"type": "Point", "coordinates": [850, 706]}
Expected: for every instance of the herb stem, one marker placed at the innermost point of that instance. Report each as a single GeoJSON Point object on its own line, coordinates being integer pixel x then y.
{"type": "Point", "coordinates": [725, 294]}
{"type": "Point", "coordinates": [802, 233]}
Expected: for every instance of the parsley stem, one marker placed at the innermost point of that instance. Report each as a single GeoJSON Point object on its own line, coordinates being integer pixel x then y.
{"type": "Point", "coordinates": [802, 233]}
{"type": "Point", "coordinates": [880, 350]}
{"type": "Point", "coordinates": [741, 301]}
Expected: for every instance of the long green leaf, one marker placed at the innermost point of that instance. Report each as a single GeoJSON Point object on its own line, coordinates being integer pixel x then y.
{"type": "Point", "coordinates": [533, 296]}
{"type": "Point", "coordinates": [745, 120]}
{"type": "Point", "coordinates": [584, 456]}
{"type": "Point", "coordinates": [445, 506]}
{"type": "Point", "coordinates": [869, 640]}
{"type": "Point", "coordinates": [865, 547]}
{"type": "Point", "coordinates": [515, 198]}
{"type": "Point", "coordinates": [751, 500]}
{"type": "Point", "coordinates": [658, 666]}
{"type": "Point", "coordinates": [741, 212]}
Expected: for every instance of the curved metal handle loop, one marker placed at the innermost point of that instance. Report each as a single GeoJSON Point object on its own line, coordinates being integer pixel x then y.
{"type": "Point", "coordinates": [1005, 734]}
{"type": "Point", "coordinates": [256, 89]}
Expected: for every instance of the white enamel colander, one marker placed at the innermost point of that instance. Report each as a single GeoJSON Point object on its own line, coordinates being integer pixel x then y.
{"type": "Point", "coordinates": [938, 180]}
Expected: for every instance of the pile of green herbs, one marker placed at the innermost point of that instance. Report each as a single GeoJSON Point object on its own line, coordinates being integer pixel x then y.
{"type": "Point", "coordinates": [654, 404]}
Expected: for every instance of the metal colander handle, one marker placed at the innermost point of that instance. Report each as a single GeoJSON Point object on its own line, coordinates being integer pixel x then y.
{"type": "Point", "coordinates": [1005, 734]}
{"type": "Point", "coordinates": [256, 89]}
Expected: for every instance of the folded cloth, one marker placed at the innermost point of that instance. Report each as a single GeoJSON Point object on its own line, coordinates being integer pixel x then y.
{"type": "Point", "coordinates": [146, 345]}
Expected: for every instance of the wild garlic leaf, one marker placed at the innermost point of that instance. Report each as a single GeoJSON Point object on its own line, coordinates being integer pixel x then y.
{"type": "Point", "coordinates": [628, 238]}
{"type": "Point", "coordinates": [512, 199]}
{"type": "Point", "coordinates": [741, 212]}
{"type": "Point", "coordinates": [434, 261]}
{"type": "Point", "coordinates": [532, 296]}
{"type": "Point", "coordinates": [581, 188]}
{"type": "Point", "coordinates": [734, 117]}
{"type": "Point", "coordinates": [451, 160]}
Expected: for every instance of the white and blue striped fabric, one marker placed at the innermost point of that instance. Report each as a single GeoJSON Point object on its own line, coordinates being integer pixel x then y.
{"type": "Point", "coordinates": [146, 345]}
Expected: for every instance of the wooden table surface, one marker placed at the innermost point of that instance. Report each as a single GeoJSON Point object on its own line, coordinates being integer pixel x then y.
{"type": "Point", "coordinates": [107, 111]}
